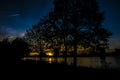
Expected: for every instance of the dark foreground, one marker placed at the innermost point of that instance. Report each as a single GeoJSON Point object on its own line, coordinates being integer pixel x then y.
{"type": "Point", "coordinates": [43, 70]}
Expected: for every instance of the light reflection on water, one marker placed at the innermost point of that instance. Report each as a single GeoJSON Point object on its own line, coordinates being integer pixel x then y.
{"type": "Point", "coordinates": [94, 62]}
{"type": "Point", "coordinates": [49, 60]}
{"type": "Point", "coordinates": [31, 58]}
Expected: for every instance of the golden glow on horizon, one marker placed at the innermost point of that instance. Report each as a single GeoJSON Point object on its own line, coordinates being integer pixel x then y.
{"type": "Point", "coordinates": [33, 53]}
{"type": "Point", "coordinates": [49, 53]}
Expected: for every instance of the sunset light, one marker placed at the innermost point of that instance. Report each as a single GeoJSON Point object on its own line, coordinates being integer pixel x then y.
{"type": "Point", "coordinates": [33, 54]}
{"type": "Point", "coordinates": [49, 53]}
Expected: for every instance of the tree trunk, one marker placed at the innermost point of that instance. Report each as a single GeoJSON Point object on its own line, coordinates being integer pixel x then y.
{"type": "Point", "coordinates": [65, 52]}
{"type": "Point", "coordinates": [75, 46]}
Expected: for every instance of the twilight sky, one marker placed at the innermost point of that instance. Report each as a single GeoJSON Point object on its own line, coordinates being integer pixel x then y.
{"type": "Point", "coordinates": [18, 15]}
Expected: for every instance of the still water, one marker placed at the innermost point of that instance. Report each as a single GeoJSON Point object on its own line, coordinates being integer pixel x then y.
{"type": "Point", "coordinates": [94, 62]}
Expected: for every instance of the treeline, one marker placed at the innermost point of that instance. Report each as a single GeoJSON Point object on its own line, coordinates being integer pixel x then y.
{"type": "Point", "coordinates": [12, 51]}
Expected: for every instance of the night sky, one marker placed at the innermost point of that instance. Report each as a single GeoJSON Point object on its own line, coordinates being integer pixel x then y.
{"type": "Point", "coordinates": [16, 16]}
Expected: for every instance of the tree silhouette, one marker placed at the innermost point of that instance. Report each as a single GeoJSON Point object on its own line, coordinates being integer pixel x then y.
{"type": "Point", "coordinates": [19, 48]}
{"type": "Point", "coordinates": [86, 20]}
{"type": "Point", "coordinates": [5, 49]}
{"type": "Point", "coordinates": [72, 23]}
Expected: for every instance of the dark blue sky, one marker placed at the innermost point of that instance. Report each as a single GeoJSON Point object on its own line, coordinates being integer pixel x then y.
{"type": "Point", "coordinates": [18, 15]}
{"type": "Point", "coordinates": [112, 19]}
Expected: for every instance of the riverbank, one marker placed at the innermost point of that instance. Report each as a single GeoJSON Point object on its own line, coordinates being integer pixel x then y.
{"type": "Point", "coordinates": [62, 70]}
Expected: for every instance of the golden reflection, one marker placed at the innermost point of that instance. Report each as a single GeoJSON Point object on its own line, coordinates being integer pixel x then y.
{"type": "Point", "coordinates": [60, 60]}
{"type": "Point", "coordinates": [50, 60]}
{"type": "Point", "coordinates": [31, 58]}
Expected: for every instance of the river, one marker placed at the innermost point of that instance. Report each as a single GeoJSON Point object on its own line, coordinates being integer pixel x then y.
{"type": "Point", "coordinates": [94, 62]}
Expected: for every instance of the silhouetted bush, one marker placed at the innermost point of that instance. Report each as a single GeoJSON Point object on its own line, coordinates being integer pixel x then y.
{"type": "Point", "coordinates": [19, 48]}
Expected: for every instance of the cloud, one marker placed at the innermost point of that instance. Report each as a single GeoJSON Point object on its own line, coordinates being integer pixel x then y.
{"type": "Point", "coordinates": [14, 15]}
{"type": "Point", "coordinates": [10, 32]}
{"type": "Point", "coordinates": [22, 34]}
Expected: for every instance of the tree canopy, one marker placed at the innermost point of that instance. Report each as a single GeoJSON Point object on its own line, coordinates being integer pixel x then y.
{"type": "Point", "coordinates": [70, 25]}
